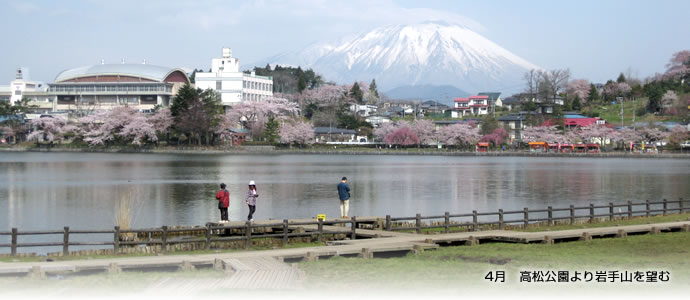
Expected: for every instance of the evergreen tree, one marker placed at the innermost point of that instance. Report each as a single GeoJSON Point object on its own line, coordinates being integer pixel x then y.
{"type": "Point", "coordinates": [373, 89]}
{"type": "Point", "coordinates": [567, 105]}
{"type": "Point", "coordinates": [184, 98]}
{"type": "Point", "coordinates": [489, 125]}
{"type": "Point", "coordinates": [621, 78]}
{"type": "Point", "coordinates": [576, 105]}
{"type": "Point", "coordinates": [654, 94]}
{"type": "Point", "coordinates": [301, 80]}
{"type": "Point", "coordinates": [356, 93]}
{"type": "Point", "coordinates": [271, 130]}
{"type": "Point", "coordinates": [593, 94]}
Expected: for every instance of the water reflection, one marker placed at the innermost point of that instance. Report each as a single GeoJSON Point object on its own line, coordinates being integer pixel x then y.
{"type": "Point", "coordinates": [83, 190]}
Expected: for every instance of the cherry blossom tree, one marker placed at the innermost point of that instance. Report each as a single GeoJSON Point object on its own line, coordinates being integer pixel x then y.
{"type": "Point", "coordinates": [549, 134]}
{"type": "Point", "coordinates": [627, 135]}
{"type": "Point", "coordinates": [579, 88]}
{"type": "Point", "coordinates": [667, 100]}
{"type": "Point", "coordinates": [252, 114]}
{"type": "Point", "coordinates": [7, 132]}
{"type": "Point", "coordinates": [138, 130]}
{"type": "Point", "coordinates": [50, 129]}
{"type": "Point", "coordinates": [296, 132]}
{"type": "Point", "coordinates": [461, 134]}
{"type": "Point", "coordinates": [496, 137]}
{"type": "Point", "coordinates": [403, 136]}
{"type": "Point", "coordinates": [384, 130]}
{"type": "Point", "coordinates": [325, 95]}
{"type": "Point", "coordinates": [121, 125]}
{"type": "Point", "coordinates": [161, 120]}
{"type": "Point", "coordinates": [595, 133]}
{"type": "Point", "coordinates": [679, 65]}
{"type": "Point", "coordinates": [425, 130]}
{"type": "Point", "coordinates": [678, 134]}
{"type": "Point", "coordinates": [653, 134]}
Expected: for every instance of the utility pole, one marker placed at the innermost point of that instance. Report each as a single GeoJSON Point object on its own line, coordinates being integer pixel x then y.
{"type": "Point", "coordinates": [622, 113]}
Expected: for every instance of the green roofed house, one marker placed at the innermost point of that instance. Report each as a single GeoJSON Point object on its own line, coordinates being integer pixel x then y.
{"type": "Point", "coordinates": [494, 99]}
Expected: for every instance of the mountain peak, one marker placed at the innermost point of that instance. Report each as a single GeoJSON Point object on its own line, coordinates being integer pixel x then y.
{"type": "Point", "coordinates": [428, 53]}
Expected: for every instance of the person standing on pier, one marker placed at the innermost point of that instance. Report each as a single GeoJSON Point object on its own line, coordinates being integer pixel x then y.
{"type": "Point", "coordinates": [344, 194]}
{"type": "Point", "coordinates": [223, 197]}
{"type": "Point", "coordinates": [251, 200]}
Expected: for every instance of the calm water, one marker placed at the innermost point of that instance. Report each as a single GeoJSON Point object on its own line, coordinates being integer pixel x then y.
{"type": "Point", "coordinates": [82, 190]}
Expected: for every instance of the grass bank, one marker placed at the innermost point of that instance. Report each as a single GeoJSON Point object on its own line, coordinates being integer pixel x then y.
{"type": "Point", "coordinates": [451, 266]}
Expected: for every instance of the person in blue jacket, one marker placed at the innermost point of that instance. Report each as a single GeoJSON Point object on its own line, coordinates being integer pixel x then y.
{"type": "Point", "coordinates": [344, 195]}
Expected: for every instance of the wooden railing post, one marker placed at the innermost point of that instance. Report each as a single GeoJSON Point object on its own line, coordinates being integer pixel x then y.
{"type": "Point", "coordinates": [353, 234]}
{"type": "Point", "coordinates": [550, 215]}
{"type": "Point", "coordinates": [611, 215]}
{"type": "Point", "coordinates": [572, 214]}
{"type": "Point", "coordinates": [418, 223]}
{"type": "Point", "coordinates": [525, 216]}
{"type": "Point", "coordinates": [248, 234]}
{"type": "Point", "coordinates": [665, 206]}
{"type": "Point", "coordinates": [388, 222]}
{"type": "Point", "coordinates": [630, 211]}
{"type": "Point", "coordinates": [647, 206]}
{"type": "Point", "coordinates": [446, 222]}
{"type": "Point", "coordinates": [591, 213]}
{"type": "Point", "coordinates": [116, 240]}
{"type": "Point", "coordinates": [285, 232]}
{"type": "Point", "coordinates": [207, 245]}
{"type": "Point", "coordinates": [500, 219]}
{"type": "Point", "coordinates": [474, 220]}
{"type": "Point", "coordinates": [320, 236]}
{"type": "Point", "coordinates": [164, 239]}
{"type": "Point", "coordinates": [14, 242]}
{"type": "Point", "coordinates": [65, 242]}
{"type": "Point", "coordinates": [680, 205]}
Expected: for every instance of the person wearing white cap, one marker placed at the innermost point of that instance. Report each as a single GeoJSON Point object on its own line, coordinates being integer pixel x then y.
{"type": "Point", "coordinates": [251, 200]}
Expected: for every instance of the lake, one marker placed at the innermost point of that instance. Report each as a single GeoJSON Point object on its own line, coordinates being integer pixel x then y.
{"type": "Point", "coordinates": [83, 190]}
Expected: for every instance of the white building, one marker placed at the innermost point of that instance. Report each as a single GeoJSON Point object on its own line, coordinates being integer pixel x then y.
{"type": "Point", "coordinates": [233, 85]}
{"type": "Point", "coordinates": [364, 110]}
{"type": "Point", "coordinates": [23, 87]}
{"type": "Point", "coordinates": [99, 87]}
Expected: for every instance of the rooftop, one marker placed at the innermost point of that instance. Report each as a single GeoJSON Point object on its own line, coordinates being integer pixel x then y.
{"type": "Point", "coordinates": [151, 72]}
{"type": "Point", "coordinates": [332, 130]}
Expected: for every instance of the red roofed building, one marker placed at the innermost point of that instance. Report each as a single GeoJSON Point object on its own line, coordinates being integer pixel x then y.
{"type": "Point", "coordinates": [572, 121]}
{"type": "Point", "coordinates": [479, 105]}
{"type": "Point", "coordinates": [475, 105]}
{"type": "Point", "coordinates": [461, 107]}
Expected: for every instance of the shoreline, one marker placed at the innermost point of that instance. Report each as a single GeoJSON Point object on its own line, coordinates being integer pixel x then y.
{"type": "Point", "coordinates": [269, 150]}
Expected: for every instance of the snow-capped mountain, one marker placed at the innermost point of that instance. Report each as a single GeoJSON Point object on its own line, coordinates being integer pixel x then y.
{"type": "Point", "coordinates": [431, 53]}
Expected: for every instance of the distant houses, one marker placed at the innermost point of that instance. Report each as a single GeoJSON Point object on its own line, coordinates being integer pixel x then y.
{"type": "Point", "coordinates": [481, 104]}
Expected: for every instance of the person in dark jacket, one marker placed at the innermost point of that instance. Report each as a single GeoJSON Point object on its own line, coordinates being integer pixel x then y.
{"type": "Point", "coordinates": [251, 200]}
{"type": "Point", "coordinates": [344, 195]}
{"type": "Point", "coordinates": [223, 197]}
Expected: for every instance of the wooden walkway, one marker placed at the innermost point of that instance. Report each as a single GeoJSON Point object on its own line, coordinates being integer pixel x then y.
{"type": "Point", "coordinates": [265, 269]}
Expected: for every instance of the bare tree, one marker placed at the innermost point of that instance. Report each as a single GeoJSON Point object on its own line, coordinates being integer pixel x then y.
{"type": "Point", "coordinates": [552, 83]}
{"type": "Point", "coordinates": [532, 78]}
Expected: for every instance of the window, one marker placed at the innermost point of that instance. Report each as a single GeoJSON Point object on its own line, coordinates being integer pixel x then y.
{"type": "Point", "coordinates": [219, 85]}
{"type": "Point", "coordinates": [18, 92]}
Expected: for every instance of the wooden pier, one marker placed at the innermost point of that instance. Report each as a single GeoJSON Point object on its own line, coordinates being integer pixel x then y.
{"type": "Point", "coordinates": [267, 269]}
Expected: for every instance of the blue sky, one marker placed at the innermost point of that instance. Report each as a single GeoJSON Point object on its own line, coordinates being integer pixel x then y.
{"type": "Point", "coordinates": [595, 39]}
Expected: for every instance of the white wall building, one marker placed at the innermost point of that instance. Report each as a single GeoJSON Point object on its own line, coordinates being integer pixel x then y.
{"type": "Point", "coordinates": [233, 85]}
{"type": "Point", "coordinates": [23, 87]}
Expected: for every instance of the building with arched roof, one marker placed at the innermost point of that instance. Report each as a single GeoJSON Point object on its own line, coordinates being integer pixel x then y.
{"type": "Point", "coordinates": [105, 86]}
